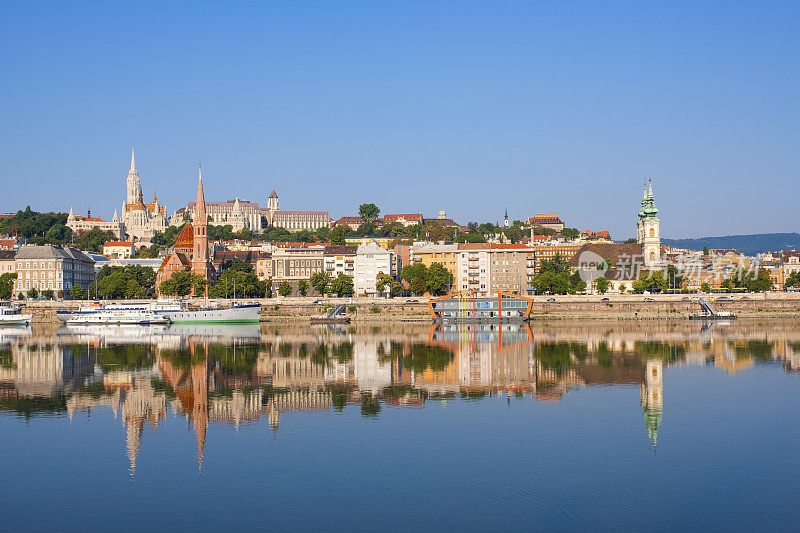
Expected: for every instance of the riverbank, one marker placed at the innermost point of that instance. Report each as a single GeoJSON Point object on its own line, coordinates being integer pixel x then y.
{"type": "Point", "coordinates": [570, 307]}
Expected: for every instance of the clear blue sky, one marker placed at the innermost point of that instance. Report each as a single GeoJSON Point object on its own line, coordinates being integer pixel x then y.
{"type": "Point", "coordinates": [470, 106]}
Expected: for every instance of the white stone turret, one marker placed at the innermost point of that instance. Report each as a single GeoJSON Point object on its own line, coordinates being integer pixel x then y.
{"type": "Point", "coordinates": [134, 188]}
{"type": "Point", "coordinates": [648, 229]}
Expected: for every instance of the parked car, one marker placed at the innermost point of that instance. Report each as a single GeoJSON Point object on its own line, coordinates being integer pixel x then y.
{"type": "Point", "coordinates": [685, 299]}
{"type": "Point", "coordinates": [745, 298]}
{"type": "Point", "coordinates": [648, 299]}
{"type": "Point", "coordinates": [605, 300]}
{"type": "Point", "coordinates": [551, 300]}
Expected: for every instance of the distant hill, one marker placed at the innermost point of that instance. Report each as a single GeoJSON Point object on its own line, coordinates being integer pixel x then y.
{"type": "Point", "coordinates": [746, 244]}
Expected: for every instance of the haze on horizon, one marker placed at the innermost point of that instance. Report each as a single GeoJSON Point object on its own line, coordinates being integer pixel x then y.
{"type": "Point", "coordinates": [475, 107]}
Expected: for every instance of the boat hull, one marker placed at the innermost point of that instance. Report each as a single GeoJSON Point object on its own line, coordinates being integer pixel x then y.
{"type": "Point", "coordinates": [232, 315]}
{"type": "Point", "coordinates": [20, 320]}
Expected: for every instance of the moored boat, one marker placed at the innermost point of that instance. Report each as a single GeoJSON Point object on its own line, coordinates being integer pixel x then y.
{"type": "Point", "coordinates": [181, 312]}
{"type": "Point", "coordinates": [468, 307]}
{"type": "Point", "coordinates": [10, 315]}
{"type": "Point", "coordinates": [118, 317]}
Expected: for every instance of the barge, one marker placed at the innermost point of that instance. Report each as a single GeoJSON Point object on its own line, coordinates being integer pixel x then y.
{"type": "Point", "coordinates": [468, 307]}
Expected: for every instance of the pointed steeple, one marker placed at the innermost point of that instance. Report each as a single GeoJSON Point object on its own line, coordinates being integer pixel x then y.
{"type": "Point", "coordinates": [116, 217]}
{"type": "Point", "coordinates": [71, 215]}
{"type": "Point", "coordinates": [200, 206]}
{"type": "Point", "coordinates": [133, 162]}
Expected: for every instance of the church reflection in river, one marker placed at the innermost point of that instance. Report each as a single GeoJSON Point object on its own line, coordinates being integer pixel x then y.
{"type": "Point", "coordinates": [245, 374]}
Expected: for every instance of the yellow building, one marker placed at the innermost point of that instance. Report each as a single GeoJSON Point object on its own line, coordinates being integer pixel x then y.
{"type": "Point", "coordinates": [444, 254]}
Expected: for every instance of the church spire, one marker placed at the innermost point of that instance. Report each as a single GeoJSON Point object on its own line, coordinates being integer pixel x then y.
{"type": "Point", "coordinates": [133, 162]}
{"type": "Point", "coordinates": [200, 206]}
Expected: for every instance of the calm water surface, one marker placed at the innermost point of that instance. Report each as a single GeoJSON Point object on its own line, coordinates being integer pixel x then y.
{"type": "Point", "coordinates": [634, 426]}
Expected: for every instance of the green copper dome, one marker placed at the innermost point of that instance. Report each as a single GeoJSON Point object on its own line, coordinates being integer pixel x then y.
{"type": "Point", "coordinates": [648, 209]}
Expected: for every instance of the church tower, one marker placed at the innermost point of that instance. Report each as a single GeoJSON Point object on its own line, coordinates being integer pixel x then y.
{"type": "Point", "coordinates": [200, 227]}
{"type": "Point", "coordinates": [652, 399]}
{"type": "Point", "coordinates": [272, 206]}
{"type": "Point", "coordinates": [134, 187]}
{"type": "Point", "coordinates": [648, 231]}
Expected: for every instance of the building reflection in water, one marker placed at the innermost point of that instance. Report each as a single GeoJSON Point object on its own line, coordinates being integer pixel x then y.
{"type": "Point", "coordinates": [242, 374]}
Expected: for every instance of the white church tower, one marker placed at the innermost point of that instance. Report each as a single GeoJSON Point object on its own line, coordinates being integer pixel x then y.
{"type": "Point", "coordinates": [648, 231]}
{"type": "Point", "coordinates": [134, 187]}
{"type": "Point", "coordinates": [272, 206]}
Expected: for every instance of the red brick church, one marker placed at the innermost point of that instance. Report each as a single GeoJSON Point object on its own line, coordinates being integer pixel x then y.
{"type": "Point", "coordinates": [190, 252]}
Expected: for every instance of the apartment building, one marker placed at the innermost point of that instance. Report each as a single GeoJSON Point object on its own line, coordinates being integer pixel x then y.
{"type": "Point", "coordinates": [474, 269]}
{"type": "Point", "coordinates": [370, 260]}
{"type": "Point", "coordinates": [52, 268]}
{"type": "Point", "coordinates": [511, 272]}
{"type": "Point", "coordinates": [8, 264]}
{"type": "Point", "coordinates": [340, 260]}
{"type": "Point", "coordinates": [444, 254]}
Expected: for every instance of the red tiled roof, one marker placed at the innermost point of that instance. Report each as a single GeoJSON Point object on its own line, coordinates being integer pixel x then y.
{"type": "Point", "coordinates": [127, 244]}
{"type": "Point", "coordinates": [185, 237]}
{"type": "Point", "coordinates": [350, 221]}
{"type": "Point", "coordinates": [544, 218]}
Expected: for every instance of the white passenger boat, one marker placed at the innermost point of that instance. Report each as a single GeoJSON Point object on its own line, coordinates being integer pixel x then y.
{"type": "Point", "coordinates": [178, 311]}
{"type": "Point", "coordinates": [117, 317]}
{"type": "Point", "coordinates": [10, 315]}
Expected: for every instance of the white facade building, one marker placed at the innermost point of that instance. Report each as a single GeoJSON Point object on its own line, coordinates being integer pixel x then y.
{"type": "Point", "coordinates": [370, 259]}
{"type": "Point", "coordinates": [53, 268]}
{"type": "Point", "coordinates": [474, 268]}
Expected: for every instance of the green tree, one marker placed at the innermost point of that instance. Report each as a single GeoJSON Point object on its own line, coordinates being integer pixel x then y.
{"type": "Point", "coordinates": [487, 229]}
{"type": "Point", "coordinates": [113, 285]}
{"type": "Point", "coordinates": [705, 250]}
{"type": "Point", "coordinates": [76, 292]}
{"type": "Point", "coordinates": [7, 285]}
{"type": "Point", "coordinates": [337, 236]}
{"type": "Point", "coordinates": [418, 286]}
{"type": "Point", "coordinates": [93, 239]}
{"type": "Point", "coordinates": [705, 287]}
{"type": "Point", "coordinates": [199, 284]}
{"type": "Point", "coordinates": [320, 281]}
{"type": "Point", "coordinates": [576, 283]}
{"type": "Point", "coordinates": [369, 212]}
{"type": "Point", "coordinates": [238, 283]}
{"type": "Point", "coordinates": [382, 281]}
{"type": "Point", "coordinates": [180, 283]}
{"type": "Point", "coordinates": [438, 279]}
{"type": "Point", "coordinates": [48, 294]}
{"type": "Point", "coordinates": [649, 281]}
{"type": "Point", "coordinates": [342, 285]}
{"type": "Point", "coordinates": [416, 277]}
{"type": "Point", "coordinates": [754, 281]}
{"type": "Point", "coordinates": [793, 280]}
{"type": "Point", "coordinates": [570, 233]}
{"type": "Point", "coordinates": [555, 277]}
{"type": "Point", "coordinates": [674, 279]}
{"type": "Point", "coordinates": [285, 288]}
{"type": "Point", "coordinates": [33, 293]}
{"type": "Point", "coordinates": [602, 285]}
{"type": "Point", "coordinates": [302, 287]}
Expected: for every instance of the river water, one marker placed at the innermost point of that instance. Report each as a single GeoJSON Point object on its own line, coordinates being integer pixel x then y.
{"type": "Point", "coordinates": [560, 426]}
